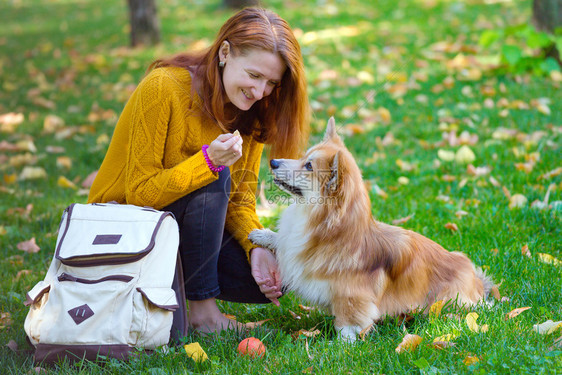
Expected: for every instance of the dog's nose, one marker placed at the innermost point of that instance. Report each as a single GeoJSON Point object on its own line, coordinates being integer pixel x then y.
{"type": "Point", "coordinates": [274, 164]}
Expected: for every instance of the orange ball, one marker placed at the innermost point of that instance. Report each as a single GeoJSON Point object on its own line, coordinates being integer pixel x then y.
{"type": "Point", "coordinates": [252, 347]}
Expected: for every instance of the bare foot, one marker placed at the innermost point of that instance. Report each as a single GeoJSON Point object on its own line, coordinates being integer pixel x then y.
{"type": "Point", "coordinates": [205, 316]}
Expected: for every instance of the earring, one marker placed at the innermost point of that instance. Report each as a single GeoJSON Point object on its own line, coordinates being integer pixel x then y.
{"type": "Point", "coordinates": [221, 64]}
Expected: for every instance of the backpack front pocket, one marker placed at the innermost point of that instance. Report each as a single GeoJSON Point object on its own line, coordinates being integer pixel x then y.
{"type": "Point", "coordinates": [36, 298]}
{"type": "Point", "coordinates": [153, 309]}
{"type": "Point", "coordinates": [87, 311]}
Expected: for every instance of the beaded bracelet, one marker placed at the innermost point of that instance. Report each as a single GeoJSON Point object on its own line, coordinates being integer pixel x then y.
{"type": "Point", "coordinates": [209, 162]}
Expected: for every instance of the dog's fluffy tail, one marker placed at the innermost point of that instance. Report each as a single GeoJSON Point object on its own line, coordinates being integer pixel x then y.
{"type": "Point", "coordinates": [486, 281]}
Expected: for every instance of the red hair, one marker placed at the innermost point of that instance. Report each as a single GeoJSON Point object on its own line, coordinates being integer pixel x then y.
{"type": "Point", "coordinates": [280, 119]}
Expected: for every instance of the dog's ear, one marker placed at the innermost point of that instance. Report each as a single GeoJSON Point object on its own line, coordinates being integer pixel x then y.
{"type": "Point", "coordinates": [332, 184]}
{"type": "Point", "coordinates": [330, 133]}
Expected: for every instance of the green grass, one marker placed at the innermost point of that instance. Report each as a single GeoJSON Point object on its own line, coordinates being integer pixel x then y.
{"type": "Point", "coordinates": [73, 54]}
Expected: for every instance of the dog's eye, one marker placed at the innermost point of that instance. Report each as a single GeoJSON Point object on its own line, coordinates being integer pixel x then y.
{"type": "Point", "coordinates": [308, 166]}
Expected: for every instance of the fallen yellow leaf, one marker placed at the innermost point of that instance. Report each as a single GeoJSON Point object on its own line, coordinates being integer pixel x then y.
{"type": "Point", "coordinates": [442, 344]}
{"type": "Point", "coordinates": [525, 251]}
{"type": "Point", "coordinates": [252, 325]}
{"type": "Point", "coordinates": [461, 213]}
{"type": "Point", "coordinates": [452, 226]}
{"type": "Point", "coordinates": [306, 308]}
{"type": "Point", "coordinates": [471, 74]}
{"type": "Point", "coordinates": [384, 115]}
{"type": "Point", "coordinates": [525, 167]}
{"type": "Point", "coordinates": [477, 171]}
{"type": "Point", "coordinates": [405, 166]}
{"type": "Point", "coordinates": [435, 309]}
{"type": "Point", "coordinates": [354, 129]}
{"type": "Point", "coordinates": [365, 331]}
{"type": "Point", "coordinates": [26, 145]}
{"type": "Point", "coordinates": [496, 293]}
{"type": "Point", "coordinates": [494, 182]}
{"type": "Point", "coordinates": [471, 321]}
{"type": "Point", "coordinates": [409, 343]}
{"type": "Point", "coordinates": [104, 139]}
{"type": "Point", "coordinates": [23, 159]}
{"type": "Point", "coordinates": [447, 337]}
{"type": "Point", "coordinates": [306, 333]}
{"type": "Point", "coordinates": [549, 259]}
{"type": "Point", "coordinates": [66, 183]}
{"type": "Point", "coordinates": [10, 178]}
{"type": "Point", "coordinates": [402, 220]}
{"type": "Point", "coordinates": [11, 118]}
{"type": "Point", "coordinates": [470, 360]}
{"type": "Point", "coordinates": [366, 77]}
{"type": "Point", "coordinates": [10, 121]}
{"type": "Point", "coordinates": [445, 155]}
{"type": "Point", "coordinates": [488, 90]}
{"type": "Point", "coordinates": [380, 192]}
{"type": "Point", "coordinates": [64, 162]}
{"type": "Point", "coordinates": [196, 352]}
{"type": "Point", "coordinates": [543, 108]}
{"type": "Point", "coordinates": [464, 155]}
{"type": "Point", "coordinates": [402, 180]}
{"type": "Point", "coordinates": [52, 123]}
{"type": "Point", "coordinates": [294, 315]}
{"type": "Point", "coordinates": [32, 173]}
{"type": "Point", "coordinates": [556, 76]}
{"type": "Point", "coordinates": [5, 320]}
{"type": "Point", "coordinates": [517, 201]}
{"type": "Point", "coordinates": [552, 173]}
{"type": "Point", "coordinates": [513, 313]}
{"type": "Point", "coordinates": [547, 327]}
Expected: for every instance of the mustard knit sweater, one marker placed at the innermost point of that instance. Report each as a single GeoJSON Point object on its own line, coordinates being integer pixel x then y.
{"type": "Point", "coordinates": [155, 156]}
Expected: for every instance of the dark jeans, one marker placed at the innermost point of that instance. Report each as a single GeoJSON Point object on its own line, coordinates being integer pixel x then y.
{"type": "Point", "coordinates": [214, 263]}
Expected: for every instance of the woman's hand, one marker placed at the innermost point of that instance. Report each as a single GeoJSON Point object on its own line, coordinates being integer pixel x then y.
{"type": "Point", "coordinates": [225, 150]}
{"type": "Point", "coordinates": [266, 273]}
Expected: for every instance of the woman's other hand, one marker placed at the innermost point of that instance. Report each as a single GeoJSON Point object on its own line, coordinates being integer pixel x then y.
{"type": "Point", "coordinates": [266, 273]}
{"type": "Point", "coordinates": [225, 150]}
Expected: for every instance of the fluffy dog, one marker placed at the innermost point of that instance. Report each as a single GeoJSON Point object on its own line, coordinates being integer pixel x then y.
{"type": "Point", "coordinates": [333, 253]}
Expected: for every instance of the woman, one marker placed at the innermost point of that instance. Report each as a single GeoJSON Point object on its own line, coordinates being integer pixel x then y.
{"type": "Point", "coordinates": [190, 141]}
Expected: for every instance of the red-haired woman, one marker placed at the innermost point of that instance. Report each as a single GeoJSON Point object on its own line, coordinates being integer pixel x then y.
{"type": "Point", "coordinates": [190, 140]}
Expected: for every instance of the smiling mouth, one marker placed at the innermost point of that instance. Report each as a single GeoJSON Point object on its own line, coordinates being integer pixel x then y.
{"type": "Point", "coordinates": [289, 188]}
{"type": "Point", "coordinates": [246, 95]}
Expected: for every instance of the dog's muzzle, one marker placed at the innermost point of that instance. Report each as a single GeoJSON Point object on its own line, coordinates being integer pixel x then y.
{"type": "Point", "coordinates": [275, 164]}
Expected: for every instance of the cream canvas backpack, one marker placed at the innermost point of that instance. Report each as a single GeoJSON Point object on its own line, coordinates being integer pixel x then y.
{"type": "Point", "coordinates": [113, 285]}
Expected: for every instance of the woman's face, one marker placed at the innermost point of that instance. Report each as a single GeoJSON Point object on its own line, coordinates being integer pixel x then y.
{"type": "Point", "coordinates": [249, 77]}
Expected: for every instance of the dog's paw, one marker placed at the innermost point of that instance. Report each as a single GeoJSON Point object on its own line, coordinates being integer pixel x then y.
{"type": "Point", "coordinates": [264, 238]}
{"type": "Point", "coordinates": [348, 333]}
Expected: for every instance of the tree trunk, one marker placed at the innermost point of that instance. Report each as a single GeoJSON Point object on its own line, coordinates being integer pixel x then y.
{"type": "Point", "coordinates": [547, 17]}
{"type": "Point", "coordinates": [238, 4]}
{"type": "Point", "coordinates": [145, 28]}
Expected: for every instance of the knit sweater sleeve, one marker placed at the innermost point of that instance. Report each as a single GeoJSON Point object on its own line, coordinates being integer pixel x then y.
{"type": "Point", "coordinates": [241, 217]}
{"type": "Point", "coordinates": [148, 182]}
